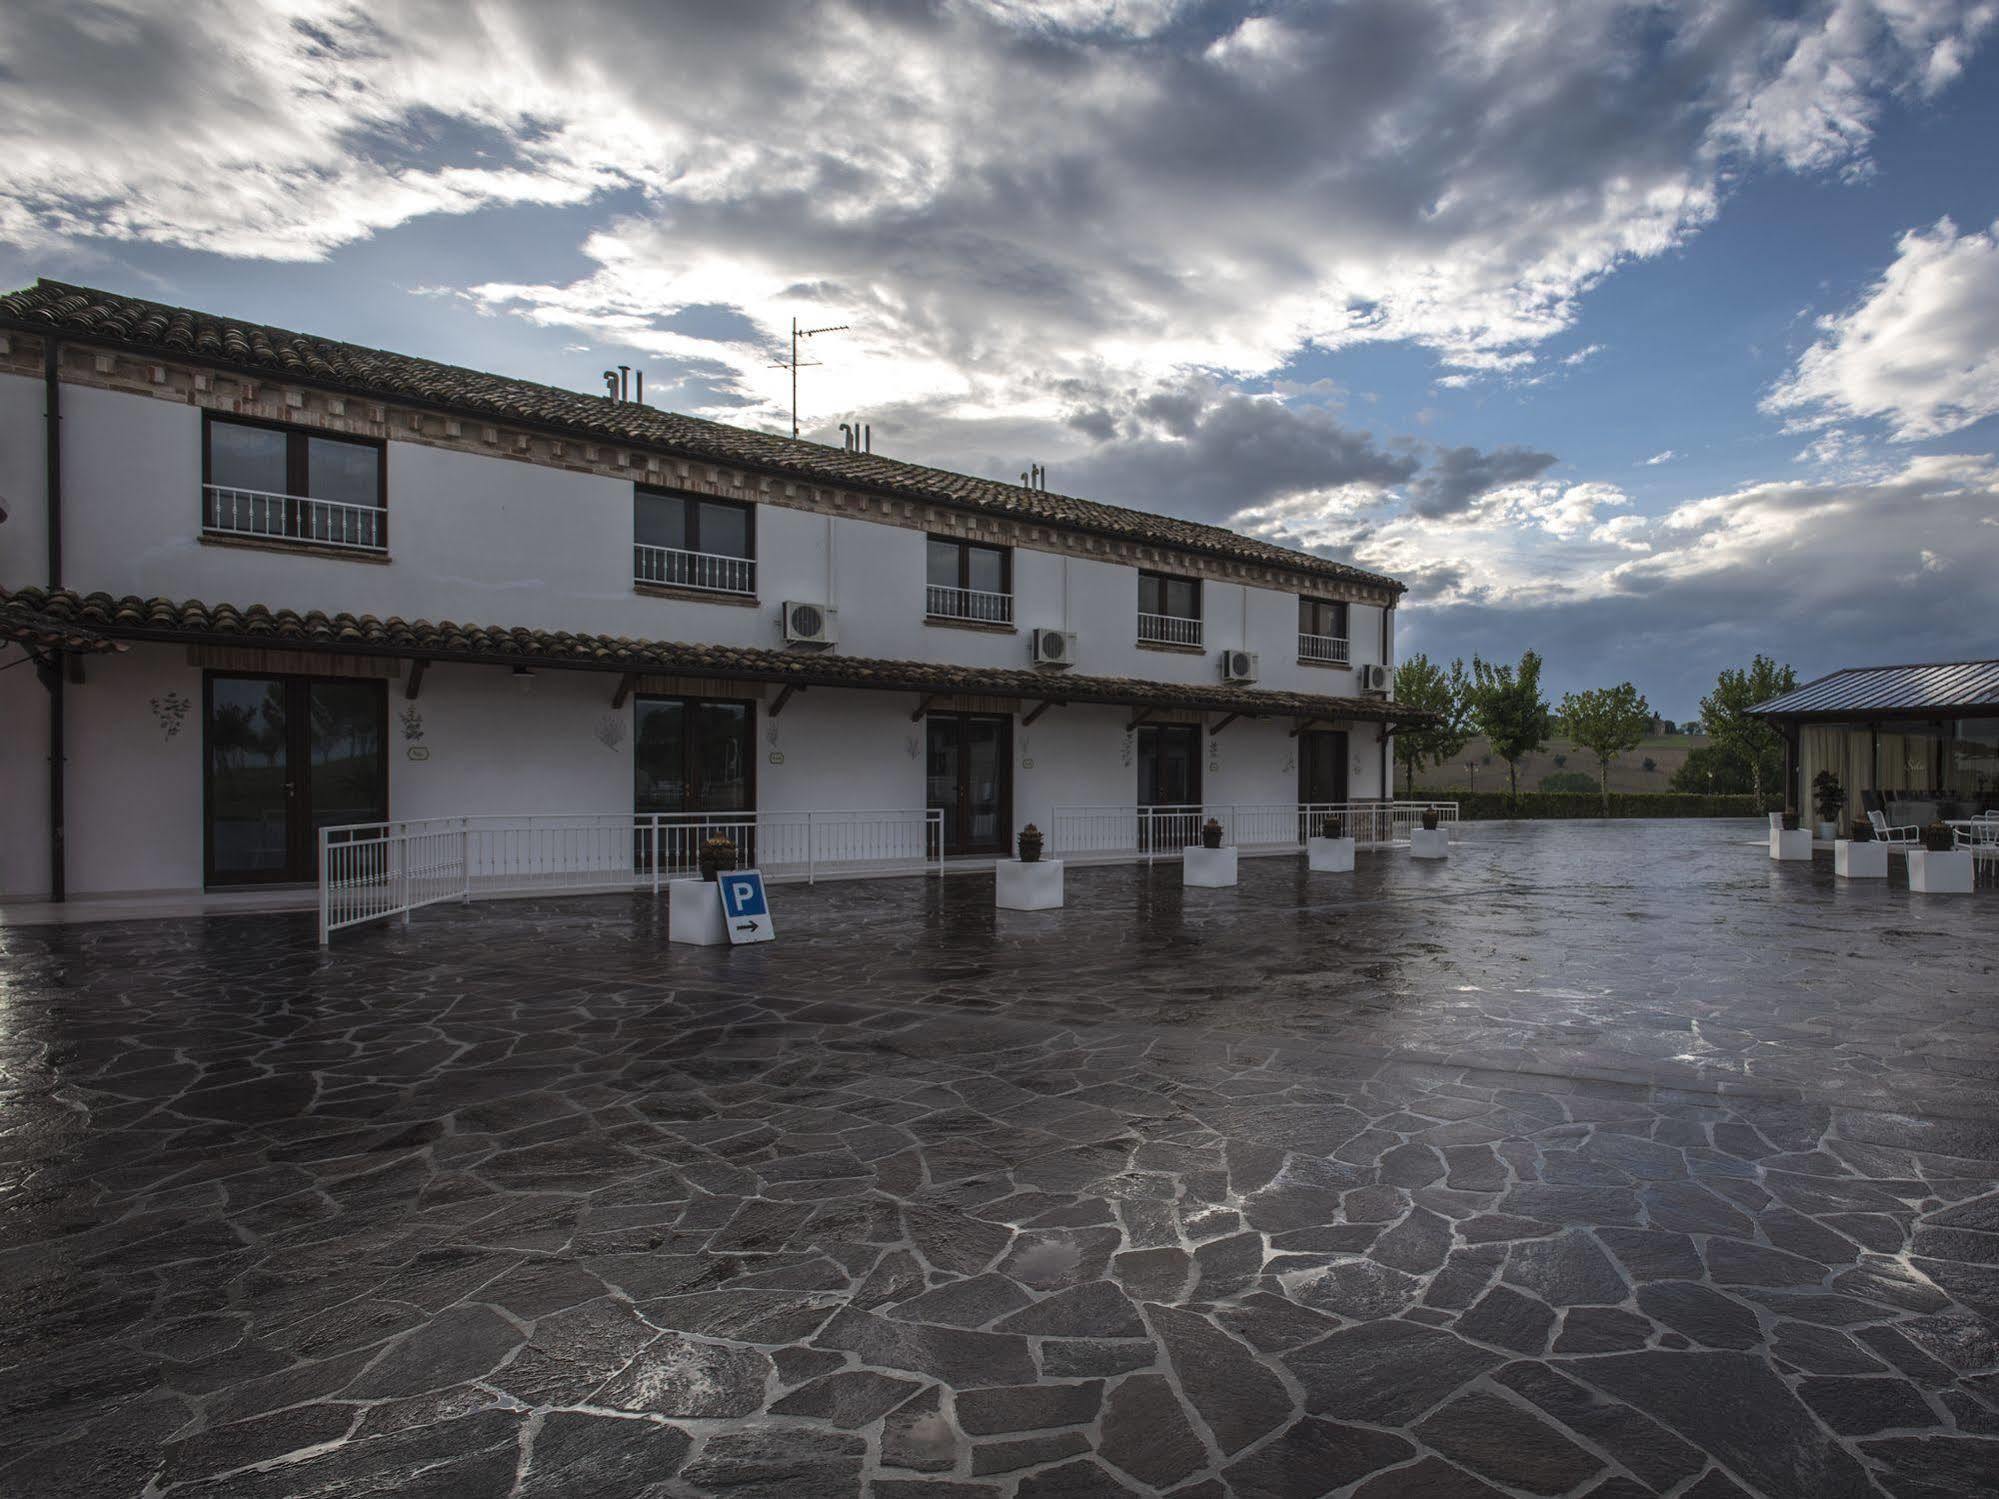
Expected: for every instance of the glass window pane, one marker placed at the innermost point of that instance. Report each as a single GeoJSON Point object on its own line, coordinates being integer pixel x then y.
{"type": "Point", "coordinates": [941, 567]}
{"type": "Point", "coordinates": [661, 520]}
{"type": "Point", "coordinates": [659, 756]}
{"type": "Point", "coordinates": [941, 775]}
{"type": "Point", "coordinates": [1974, 761]}
{"type": "Point", "coordinates": [241, 457]}
{"type": "Point", "coordinates": [988, 569]}
{"type": "Point", "coordinates": [1149, 594]}
{"type": "Point", "coordinates": [346, 472]}
{"type": "Point", "coordinates": [247, 800]}
{"type": "Point", "coordinates": [725, 530]}
{"type": "Point", "coordinates": [1182, 598]}
{"type": "Point", "coordinates": [1308, 617]}
{"type": "Point", "coordinates": [346, 753]}
{"type": "Point", "coordinates": [720, 747]}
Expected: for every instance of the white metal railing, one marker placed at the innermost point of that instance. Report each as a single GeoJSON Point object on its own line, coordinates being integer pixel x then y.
{"type": "Point", "coordinates": [1169, 629]}
{"type": "Point", "coordinates": [291, 517]}
{"type": "Point", "coordinates": [709, 570]}
{"type": "Point", "coordinates": [968, 603]}
{"type": "Point", "coordinates": [1323, 648]}
{"type": "Point", "coordinates": [1155, 831]}
{"type": "Point", "coordinates": [373, 871]}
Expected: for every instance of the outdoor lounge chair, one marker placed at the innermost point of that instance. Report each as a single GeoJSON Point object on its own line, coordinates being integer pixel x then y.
{"type": "Point", "coordinates": [1902, 837]}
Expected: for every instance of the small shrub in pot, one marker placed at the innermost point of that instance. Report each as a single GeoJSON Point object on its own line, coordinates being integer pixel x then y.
{"type": "Point", "coordinates": [1429, 819]}
{"type": "Point", "coordinates": [1863, 830]}
{"type": "Point", "coordinates": [1030, 844]}
{"type": "Point", "coordinates": [1332, 827]}
{"type": "Point", "coordinates": [718, 855]}
{"type": "Point", "coordinates": [1828, 796]}
{"type": "Point", "coordinates": [1790, 819]}
{"type": "Point", "coordinates": [1211, 834]}
{"type": "Point", "coordinates": [1938, 838]}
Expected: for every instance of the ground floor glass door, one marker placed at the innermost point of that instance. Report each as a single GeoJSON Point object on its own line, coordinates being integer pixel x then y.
{"type": "Point", "coordinates": [1169, 775]}
{"type": "Point", "coordinates": [969, 778]}
{"type": "Point", "coordinates": [283, 757]}
{"type": "Point", "coordinates": [1322, 766]}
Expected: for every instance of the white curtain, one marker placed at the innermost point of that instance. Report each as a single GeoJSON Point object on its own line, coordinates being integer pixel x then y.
{"type": "Point", "coordinates": [1848, 754]}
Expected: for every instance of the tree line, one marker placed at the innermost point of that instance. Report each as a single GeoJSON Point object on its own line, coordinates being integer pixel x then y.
{"type": "Point", "coordinates": [1504, 704]}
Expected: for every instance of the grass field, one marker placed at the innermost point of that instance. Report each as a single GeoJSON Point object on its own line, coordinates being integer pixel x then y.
{"type": "Point", "coordinates": [1666, 752]}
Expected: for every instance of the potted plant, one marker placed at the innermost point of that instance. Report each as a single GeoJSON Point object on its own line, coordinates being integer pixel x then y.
{"type": "Point", "coordinates": [1939, 867]}
{"type": "Point", "coordinates": [1030, 844]}
{"type": "Point", "coordinates": [1790, 819]}
{"type": "Point", "coordinates": [718, 854]}
{"type": "Point", "coordinates": [1938, 839]}
{"type": "Point", "coordinates": [1863, 830]}
{"type": "Point", "coordinates": [1331, 851]}
{"type": "Point", "coordinates": [1829, 797]}
{"type": "Point", "coordinates": [1211, 834]}
{"type": "Point", "coordinates": [1332, 827]}
{"type": "Point", "coordinates": [1429, 819]}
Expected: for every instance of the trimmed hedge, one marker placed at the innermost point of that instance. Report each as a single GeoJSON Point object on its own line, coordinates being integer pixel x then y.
{"type": "Point", "coordinates": [1489, 806]}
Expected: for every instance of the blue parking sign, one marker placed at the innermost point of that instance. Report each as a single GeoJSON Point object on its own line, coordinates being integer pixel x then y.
{"type": "Point", "coordinates": [745, 908]}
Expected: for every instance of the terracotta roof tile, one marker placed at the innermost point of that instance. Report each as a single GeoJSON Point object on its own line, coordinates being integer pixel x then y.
{"type": "Point", "coordinates": [192, 620]}
{"type": "Point", "coordinates": [107, 318]}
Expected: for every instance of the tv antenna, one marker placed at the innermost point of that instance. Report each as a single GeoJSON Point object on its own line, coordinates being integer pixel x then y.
{"type": "Point", "coordinates": [794, 362]}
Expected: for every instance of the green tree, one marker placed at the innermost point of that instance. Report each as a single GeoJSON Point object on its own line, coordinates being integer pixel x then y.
{"type": "Point", "coordinates": [1510, 712]}
{"type": "Point", "coordinates": [1422, 683]}
{"type": "Point", "coordinates": [1722, 772]}
{"type": "Point", "coordinates": [1725, 717]}
{"type": "Point", "coordinates": [1608, 722]}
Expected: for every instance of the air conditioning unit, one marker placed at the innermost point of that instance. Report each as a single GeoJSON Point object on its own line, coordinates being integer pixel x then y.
{"type": "Point", "coordinates": [1239, 666]}
{"type": "Point", "coordinates": [1375, 678]}
{"type": "Point", "coordinates": [810, 624]}
{"type": "Point", "coordinates": [1054, 647]}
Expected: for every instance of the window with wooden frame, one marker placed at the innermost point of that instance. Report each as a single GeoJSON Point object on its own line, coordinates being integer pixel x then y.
{"type": "Point", "coordinates": [1169, 609]}
{"type": "Point", "coordinates": [1322, 631]}
{"type": "Point", "coordinates": [270, 482]}
{"type": "Point", "coordinates": [694, 541]}
{"type": "Point", "coordinates": [968, 580]}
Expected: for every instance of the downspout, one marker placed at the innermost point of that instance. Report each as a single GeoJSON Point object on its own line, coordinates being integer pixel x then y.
{"type": "Point", "coordinates": [1387, 784]}
{"type": "Point", "coordinates": [52, 496]}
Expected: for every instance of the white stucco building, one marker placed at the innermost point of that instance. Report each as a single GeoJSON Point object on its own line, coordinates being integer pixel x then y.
{"type": "Point", "coordinates": [273, 582]}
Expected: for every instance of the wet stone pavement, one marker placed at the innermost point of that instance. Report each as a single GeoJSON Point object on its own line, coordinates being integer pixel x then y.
{"type": "Point", "coordinates": [1601, 1160]}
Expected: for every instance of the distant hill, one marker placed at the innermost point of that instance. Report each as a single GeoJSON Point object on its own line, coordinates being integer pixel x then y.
{"type": "Point", "coordinates": [1667, 752]}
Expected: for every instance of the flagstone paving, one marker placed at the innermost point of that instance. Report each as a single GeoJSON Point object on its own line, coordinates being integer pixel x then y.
{"type": "Point", "coordinates": [1601, 1160]}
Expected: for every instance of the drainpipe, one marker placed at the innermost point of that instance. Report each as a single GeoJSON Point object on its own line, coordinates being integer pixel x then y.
{"type": "Point", "coordinates": [52, 495]}
{"type": "Point", "coordinates": [1387, 649]}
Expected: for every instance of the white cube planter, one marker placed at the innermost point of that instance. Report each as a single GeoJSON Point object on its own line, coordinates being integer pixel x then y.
{"type": "Point", "coordinates": [1329, 855]}
{"type": "Point", "coordinates": [1213, 867]}
{"type": "Point", "coordinates": [1859, 861]}
{"type": "Point", "coordinates": [1791, 843]}
{"type": "Point", "coordinates": [694, 914]}
{"type": "Point", "coordinates": [1940, 874]}
{"type": "Point", "coordinates": [1021, 886]}
{"type": "Point", "coordinates": [1429, 843]}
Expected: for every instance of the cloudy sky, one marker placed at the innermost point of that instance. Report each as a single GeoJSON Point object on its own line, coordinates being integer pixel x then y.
{"type": "Point", "coordinates": [1649, 335]}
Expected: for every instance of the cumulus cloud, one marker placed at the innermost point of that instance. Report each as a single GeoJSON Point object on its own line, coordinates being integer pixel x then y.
{"type": "Point", "coordinates": [1459, 476]}
{"type": "Point", "coordinates": [1920, 352]}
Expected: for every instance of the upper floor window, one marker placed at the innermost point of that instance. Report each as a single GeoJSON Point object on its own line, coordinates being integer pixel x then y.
{"type": "Point", "coordinates": [280, 483]}
{"type": "Point", "coordinates": [691, 541]}
{"type": "Point", "coordinates": [1322, 630]}
{"type": "Point", "coordinates": [965, 580]}
{"type": "Point", "coordinates": [1169, 609]}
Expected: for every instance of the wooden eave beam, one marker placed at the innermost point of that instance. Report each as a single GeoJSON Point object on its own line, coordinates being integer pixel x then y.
{"type": "Point", "coordinates": [1227, 721]}
{"type": "Point", "coordinates": [1143, 715]}
{"type": "Point", "coordinates": [923, 706]}
{"type": "Point", "coordinates": [1038, 710]}
{"type": "Point", "coordinates": [628, 683]}
{"type": "Point", "coordinates": [1302, 725]}
{"type": "Point", "coordinates": [784, 696]}
{"type": "Point", "coordinates": [415, 684]}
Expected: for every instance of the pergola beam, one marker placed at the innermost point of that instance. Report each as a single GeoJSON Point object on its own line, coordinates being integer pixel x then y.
{"type": "Point", "coordinates": [627, 685]}
{"type": "Point", "coordinates": [1302, 725]}
{"type": "Point", "coordinates": [1038, 710]}
{"type": "Point", "coordinates": [1143, 715]}
{"type": "Point", "coordinates": [923, 706]}
{"type": "Point", "coordinates": [415, 684]}
{"type": "Point", "coordinates": [1226, 722]}
{"type": "Point", "coordinates": [784, 696]}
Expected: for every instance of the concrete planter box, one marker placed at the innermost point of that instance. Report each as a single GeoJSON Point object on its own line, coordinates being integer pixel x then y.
{"type": "Point", "coordinates": [1940, 874]}
{"type": "Point", "coordinates": [1213, 867]}
{"type": "Point", "coordinates": [1794, 844]}
{"type": "Point", "coordinates": [694, 914]}
{"type": "Point", "coordinates": [1859, 861]}
{"type": "Point", "coordinates": [1027, 887]}
{"type": "Point", "coordinates": [1429, 843]}
{"type": "Point", "coordinates": [1329, 855]}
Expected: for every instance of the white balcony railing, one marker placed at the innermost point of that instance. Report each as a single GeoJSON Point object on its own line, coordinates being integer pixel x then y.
{"type": "Point", "coordinates": [1169, 629]}
{"type": "Point", "coordinates": [1323, 648]}
{"type": "Point", "coordinates": [968, 603]}
{"type": "Point", "coordinates": [373, 871]}
{"type": "Point", "coordinates": [289, 517]}
{"type": "Point", "coordinates": [1153, 832]}
{"type": "Point", "coordinates": [706, 570]}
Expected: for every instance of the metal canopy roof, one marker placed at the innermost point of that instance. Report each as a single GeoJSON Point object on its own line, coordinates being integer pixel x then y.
{"type": "Point", "coordinates": [1950, 688]}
